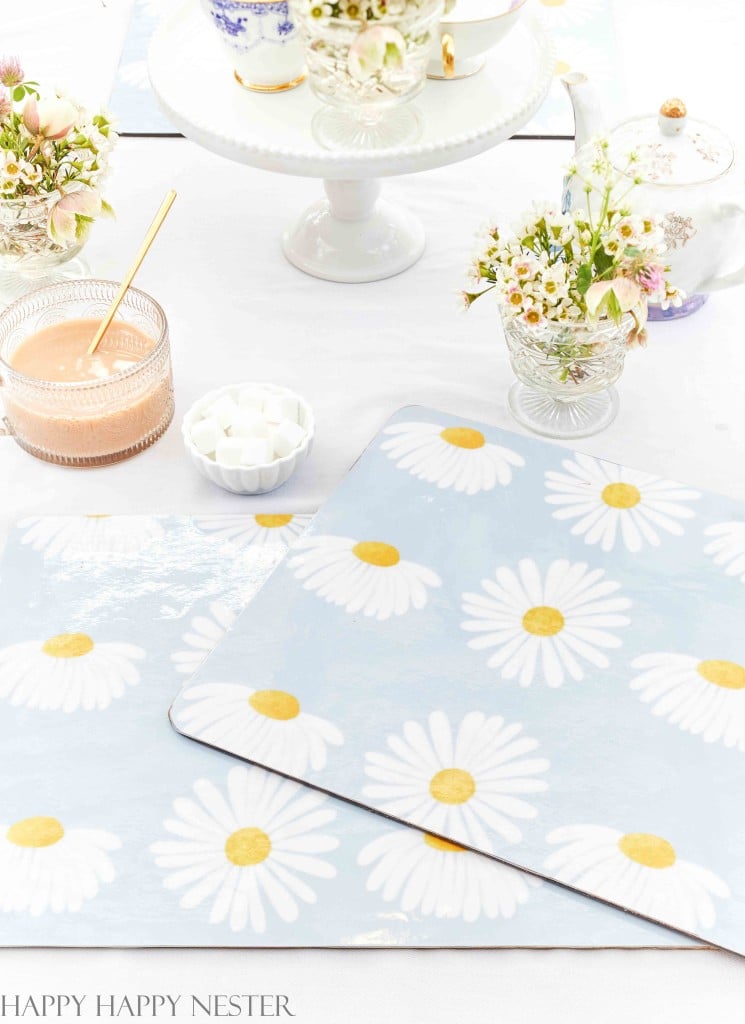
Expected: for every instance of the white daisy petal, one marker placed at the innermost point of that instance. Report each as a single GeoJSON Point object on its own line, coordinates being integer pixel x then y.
{"type": "Point", "coordinates": [366, 577]}
{"type": "Point", "coordinates": [242, 866]}
{"type": "Point", "coordinates": [702, 696]}
{"type": "Point", "coordinates": [98, 537]}
{"type": "Point", "coordinates": [258, 530]}
{"type": "Point", "coordinates": [260, 725]}
{"type": "Point", "coordinates": [457, 781]}
{"type": "Point", "coordinates": [441, 879]}
{"type": "Point", "coordinates": [544, 627]}
{"type": "Point", "coordinates": [459, 457]}
{"type": "Point", "coordinates": [67, 672]}
{"type": "Point", "coordinates": [611, 504]}
{"type": "Point", "coordinates": [46, 866]}
{"type": "Point", "coordinates": [639, 871]}
{"type": "Point", "coordinates": [728, 547]}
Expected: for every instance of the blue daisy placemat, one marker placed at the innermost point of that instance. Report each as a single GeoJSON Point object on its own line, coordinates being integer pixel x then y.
{"type": "Point", "coordinates": [583, 29]}
{"type": "Point", "coordinates": [529, 652]}
{"type": "Point", "coordinates": [116, 831]}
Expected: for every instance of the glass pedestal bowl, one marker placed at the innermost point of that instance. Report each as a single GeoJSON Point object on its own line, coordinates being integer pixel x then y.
{"type": "Point", "coordinates": [565, 375]}
{"type": "Point", "coordinates": [366, 59]}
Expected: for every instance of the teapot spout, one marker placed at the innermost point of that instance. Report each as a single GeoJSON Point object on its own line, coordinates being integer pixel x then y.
{"type": "Point", "coordinates": [589, 118]}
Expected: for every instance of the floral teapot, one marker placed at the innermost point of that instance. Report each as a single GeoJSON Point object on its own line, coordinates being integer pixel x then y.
{"type": "Point", "coordinates": [686, 180]}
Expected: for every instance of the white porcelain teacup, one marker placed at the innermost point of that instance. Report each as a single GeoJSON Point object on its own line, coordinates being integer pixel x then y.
{"type": "Point", "coordinates": [468, 29]}
{"type": "Point", "coordinates": [261, 41]}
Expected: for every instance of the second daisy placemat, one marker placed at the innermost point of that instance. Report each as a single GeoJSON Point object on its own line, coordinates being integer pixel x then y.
{"type": "Point", "coordinates": [529, 652]}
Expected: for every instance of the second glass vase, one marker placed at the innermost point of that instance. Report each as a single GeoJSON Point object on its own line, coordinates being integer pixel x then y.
{"type": "Point", "coordinates": [366, 59]}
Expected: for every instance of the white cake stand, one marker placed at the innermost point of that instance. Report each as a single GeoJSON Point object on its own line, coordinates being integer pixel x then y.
{"type": "Point", "coordinates": [352, 234]}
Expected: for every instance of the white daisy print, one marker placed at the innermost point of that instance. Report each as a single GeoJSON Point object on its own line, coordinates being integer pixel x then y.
{"type": "Point", "coordinates": [45, 866]}
{"type": "Point", "coordinates": [456, 457]}
{"type": "Point", "coordinates": [705, 697]}
{"type": "Point", "coordinates": [206, 631]}
{"type": "Point", "coordinates": [94, 536]}
{"type": "Point", "coordinates": [260, 528]}
{"type": "Point", "coordinates": [613, 505]}
{"type": "Point", "coordinates": [434, 877]}
{"type": "Point", "coordinates": [638, 871]}
{"type": "Point", "coordinates": [728, 547]}
{"type": "Point", "coordinates": [367, 576]}
{"type": "Point", "coordinates": [67, 672]}
{"type": "Point", "coordinates": [248, 853]}
{"type": "Point", "coordinates": [467, 783]}
{"type": "Point", "coordinates": [545, 628]}
{"type": "Point", "coordinates": [268, 726]}
{"type": "Point", "coordinates": [567, 13]}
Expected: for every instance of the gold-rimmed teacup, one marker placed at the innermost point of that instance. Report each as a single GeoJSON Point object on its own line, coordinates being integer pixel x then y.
{"type": "Point", "coordinates": [468, 30]}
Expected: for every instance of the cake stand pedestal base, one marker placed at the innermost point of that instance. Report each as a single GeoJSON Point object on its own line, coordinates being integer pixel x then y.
{"type": "Point", "coordinates": [353, 235]}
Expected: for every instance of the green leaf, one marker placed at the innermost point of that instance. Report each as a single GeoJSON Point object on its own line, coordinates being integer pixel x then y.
{"type": "Point", "coordinates": [603, 262]}
{"type": "Point", "coordinates": [18, 93]}
{"type": "Point", "coordinates": [584, 278]}
{"type": "Point", "coordinates": [613, 307]}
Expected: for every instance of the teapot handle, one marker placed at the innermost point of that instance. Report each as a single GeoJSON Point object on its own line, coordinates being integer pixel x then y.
{"type": "Point", "coordinates": [726, 209]}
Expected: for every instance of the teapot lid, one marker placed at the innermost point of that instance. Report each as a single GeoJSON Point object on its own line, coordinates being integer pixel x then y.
{"type": "Point", "coordinates": [673, 149]}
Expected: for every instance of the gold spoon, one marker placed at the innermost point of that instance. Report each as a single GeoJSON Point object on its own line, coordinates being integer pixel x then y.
{"type": "Point", "coordinates": [152, 231]}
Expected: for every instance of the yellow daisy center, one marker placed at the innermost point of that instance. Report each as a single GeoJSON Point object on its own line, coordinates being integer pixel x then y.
{"type": "Point", "coordinates": [561, 67]}
{"type": "Point", "coordinates": [375, 552]}
{"type": "Point", "coordinates": [621, 495]}
{"type": "Point", "coordinates": [272, 522]}
{"type": "Point", "coordinates": [247, 846]}
{"type": "Point", "coordinates": [68, 645]}
{"type": "Point", "coordinates": [35, 833]}
{"type": "Point", "coordinates": [452, 786]}
{"type": "Point", "coordinates": [442, 844]}
{"type": "Point", "coordinates": [646, 849]}
{"type": "Point", "coordinates": [275, 704]}
{"type": "Point", "coordinates": [463, 437]}
{"type": "Point", "coordinates": [727, 674]}
{"type": "Point", "coordinates": [543, 620]}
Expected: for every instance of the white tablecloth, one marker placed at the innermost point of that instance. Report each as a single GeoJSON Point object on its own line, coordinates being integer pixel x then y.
{"type": "Point", "coordinates": [238, 311]}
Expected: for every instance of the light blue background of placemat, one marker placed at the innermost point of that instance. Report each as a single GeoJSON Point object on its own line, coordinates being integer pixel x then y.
{"type": "Point", "coordinates": [121, 768]}
{"type": "Point", "coordinates": [613, 763]}
{"type": "Point", "coordinates": [583, 30]}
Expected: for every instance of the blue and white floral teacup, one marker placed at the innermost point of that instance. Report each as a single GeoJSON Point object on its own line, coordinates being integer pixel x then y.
{"type": "Point", "coordinates": [262, 42]}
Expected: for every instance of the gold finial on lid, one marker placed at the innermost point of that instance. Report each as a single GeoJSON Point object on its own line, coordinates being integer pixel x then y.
{"type": "Point", "coordinates": [673, 108]}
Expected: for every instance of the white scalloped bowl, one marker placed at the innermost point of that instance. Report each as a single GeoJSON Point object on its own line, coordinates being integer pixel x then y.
{"type": "Point", "coordinates": [249, 479]}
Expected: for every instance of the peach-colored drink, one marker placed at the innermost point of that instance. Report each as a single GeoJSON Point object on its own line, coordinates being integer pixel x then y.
{"type": "Point", "coordinates": [60, 352]}
{"type": "Point", "coordinates": [89, 409]}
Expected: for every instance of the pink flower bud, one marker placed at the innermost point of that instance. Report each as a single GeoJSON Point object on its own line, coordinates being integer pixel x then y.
{"type": "Point", "coordinates": [11, 72]}
{"type": "Point", "coordinates": [51, 118]}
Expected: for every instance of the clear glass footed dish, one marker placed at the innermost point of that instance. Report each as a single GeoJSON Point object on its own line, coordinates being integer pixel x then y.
{"type": "Point", "coordinates": [29, 257]}
{"type": "Point", "coordinates": [366, 59]}
{"type": "Point", "coordinates": [565, 374]}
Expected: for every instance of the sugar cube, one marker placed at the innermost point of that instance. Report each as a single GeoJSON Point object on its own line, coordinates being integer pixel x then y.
{"type": "Point", "coordinates": [257, 451]}
{"type": "Point", "coordinates": [224, 410]}
{"type": "Point", "coordinates": [251, 398]}
{"type": "Point", "coordinates": [249, 423]}
{"type": "Point", "coordinates": [205, 434]}
{"type": "Point", "coordinates": [280, 407]}
{"type": "Point", "coordinates": [286, 437]}
{"type": "Point", "coordinates": [229, 451]}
